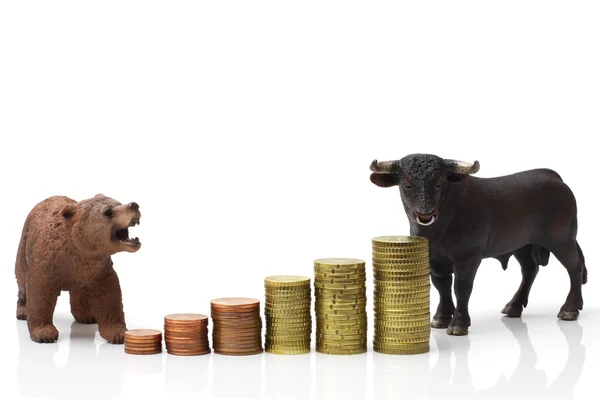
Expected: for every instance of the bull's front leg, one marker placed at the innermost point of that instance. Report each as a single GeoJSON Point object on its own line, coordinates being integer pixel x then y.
{"type": "Point", "coordinates": [464, 275]}
{"type": "Point", "coordinates": [441, 277]}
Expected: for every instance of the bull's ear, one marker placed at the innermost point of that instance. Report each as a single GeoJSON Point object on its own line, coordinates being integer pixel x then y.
{"type": "Point", "coordinates": [385, 180]}
{"type": "Point", "coordinates": [456, 178]}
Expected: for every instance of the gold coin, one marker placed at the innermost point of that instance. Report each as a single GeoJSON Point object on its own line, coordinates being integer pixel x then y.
{"type": "Point", "coordinates": [328, 346]}
{"type": "Point", "coordinates": [417, 350]}
{"type": "Point", "coordinates": [339, 262]}
{"type": "Point", "coordinates": [287, 280]}
{"type": "Point", "coordinates": [395, 240]}
{"type": "Point", "coordinates": [340, 281]}
{"type": "Point", "coordinates": [328, 275]}
{"type": "Point", "coordinates": [287, 352]}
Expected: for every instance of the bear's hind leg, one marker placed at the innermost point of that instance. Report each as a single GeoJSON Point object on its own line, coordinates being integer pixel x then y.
{"type": "Point", "coordinates": [22, 305]}
{"type": "Point", "coordinates": [80, 306]}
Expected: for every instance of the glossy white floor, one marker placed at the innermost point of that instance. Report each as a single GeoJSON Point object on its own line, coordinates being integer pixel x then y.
{"type": "Point", "coordinates": [533, 357]}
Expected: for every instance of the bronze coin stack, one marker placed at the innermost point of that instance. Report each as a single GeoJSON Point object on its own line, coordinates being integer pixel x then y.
{"type": "Point", "coordinates": [287, 314]}
{"type": "Point", "coordinates": [237, 326]}
{"type": "Point", "coordinates": [143, 341]}
{"type": "Point", "coordinates": [401, 296]}
{"type": "Point", "coordinates": [186, 334]}
{"type": "Point", "coordinates": [340, 305]}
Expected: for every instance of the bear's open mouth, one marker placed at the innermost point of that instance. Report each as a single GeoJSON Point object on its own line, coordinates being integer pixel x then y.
{"type": "Point", "coordinates": [122, 235]}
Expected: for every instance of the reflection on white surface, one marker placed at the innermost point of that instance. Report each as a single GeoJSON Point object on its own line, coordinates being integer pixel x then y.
{"type": "Point", "coordinates": [237, 376]}
{"type": "Point", "coordinates": [337, 376]}
{"type": "Point", "coordinates": [291, 375]}
{"type": "Point", "coordinates": [414, 379]}
{"type": "Point", "coordinates": [531, 358]}
{"type": "Point", "coordinates": [90, 372]}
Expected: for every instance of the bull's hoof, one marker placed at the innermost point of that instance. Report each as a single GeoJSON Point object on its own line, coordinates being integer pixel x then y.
{"type": "Point", "coordinates": [568, 315]}
{"type": "Point", "coordinates": [441, 322]}
{"type": "Point", "coordinates": [512, 310]}
{"type": "Point", "coordinates": [457, 330]}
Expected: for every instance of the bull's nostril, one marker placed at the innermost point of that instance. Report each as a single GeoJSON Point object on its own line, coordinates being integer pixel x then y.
{"type": "Point", "coordinates": [134, 206]}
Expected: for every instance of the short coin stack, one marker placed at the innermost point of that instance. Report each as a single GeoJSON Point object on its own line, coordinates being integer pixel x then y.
{"type": "Point", "coordinates": [340, 305]}
{"type": "Point", "coordinates": [237, 326]}
{"type": "Point", "coordinates": [186, 334]}
{"type": "Point", "coordinates": [401, 296]}
{"type": "Point", "coordinates": [287, 314]}
{"type": "Point", "coordinates": [143, 341]}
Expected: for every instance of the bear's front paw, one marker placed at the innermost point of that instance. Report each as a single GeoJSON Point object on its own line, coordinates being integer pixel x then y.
{"type": "Point", "coordinates": [44, 334]}
{"type": "Point", "coordinates": [113, 334]}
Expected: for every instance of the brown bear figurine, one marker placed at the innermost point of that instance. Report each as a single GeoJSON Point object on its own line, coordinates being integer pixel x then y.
{"type": "Point", "coordinates": [68, 245]}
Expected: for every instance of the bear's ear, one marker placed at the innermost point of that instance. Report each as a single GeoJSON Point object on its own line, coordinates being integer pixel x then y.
{"type": "Point", "coordinates": [100, 195]}
{"type": "Point", "coordinates": [68, 211]}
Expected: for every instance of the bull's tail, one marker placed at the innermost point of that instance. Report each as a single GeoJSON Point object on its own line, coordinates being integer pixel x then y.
{"type": "Point", "coordinates": [584, 281]}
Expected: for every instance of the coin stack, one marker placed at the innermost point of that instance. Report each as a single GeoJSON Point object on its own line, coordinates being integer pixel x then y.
{"type": "Point", "coordinates": [237, 326]}
{"type": "Point", "coordinates": [340, 305]}
{"type": "Point", "coordinates": [401, 296]}
{"type": "Point", "coordinates": [143, 341]}
{"type": "Point", "coordinates": [186, 334]}
{"type": "Point", "coordinates": [287, 313]}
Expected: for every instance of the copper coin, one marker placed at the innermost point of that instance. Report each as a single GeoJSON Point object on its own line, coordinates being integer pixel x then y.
{"type": "Point", "coordinates": [234, 303]}
{"type": "Point", "coordinates": [143, 352]}
{"type": "Point", "coordinates": [143, 333]}
{"type": "Point", "coordinates": [229, 353]}
{"type": "Point", "coordinates": [189, 353]}
{"type": "Point", "coordinates": [145, 348]}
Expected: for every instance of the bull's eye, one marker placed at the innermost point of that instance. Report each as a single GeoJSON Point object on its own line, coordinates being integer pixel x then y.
{"type": "Point", "coordinates": [438, 186]}
{"type": "Point", "coordinates": [108, 213]}
{"type": "Point", "coordinates": [406, 185]}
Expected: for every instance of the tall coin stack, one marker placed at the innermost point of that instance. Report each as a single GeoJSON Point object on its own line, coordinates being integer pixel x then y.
{"type": "Point", "coordinates": [237, 327]}
{"type": "Point", "coordinates": [186, 334]}
{"type": "Point", "coordinates": [340, 305]}
{"type": "Point", "coordinates": [288, 314]}
{"type": "Point", "coordinates": [401, 296]}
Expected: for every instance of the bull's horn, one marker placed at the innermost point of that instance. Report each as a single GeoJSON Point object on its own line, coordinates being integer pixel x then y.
{"type": "Point", "coordinates": [461, 167]}
{"type": "Point", "coordinates": [385, 167]}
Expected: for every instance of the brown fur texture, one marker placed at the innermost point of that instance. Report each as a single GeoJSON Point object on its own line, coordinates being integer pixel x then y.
{"type": "Point", "coordinates": [67, 246]}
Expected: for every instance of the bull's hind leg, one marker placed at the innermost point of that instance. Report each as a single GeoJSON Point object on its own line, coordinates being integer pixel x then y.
{"type": "Point", "coordinates": [529, 270]}
{"type": "Point", "coordinates": [568, 254]}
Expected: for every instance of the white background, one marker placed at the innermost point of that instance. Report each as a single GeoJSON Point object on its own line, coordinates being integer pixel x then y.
{"type": "Point", "coordinates": [245, 130]}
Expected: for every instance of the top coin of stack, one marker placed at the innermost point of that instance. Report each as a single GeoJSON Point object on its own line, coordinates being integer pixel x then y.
{"type": "Point", "coordinates": [186, 334]}
{"type": "Point", "coordinates": [287, 314]}
{"type": "Point", "coordinates": [340, 305]}
{"type": "Point", "coordinates": [143, 341]}
{"type": "Point", "coordinates": [401, 296]}
{"type": "Point", "coordinates": [237, 326]}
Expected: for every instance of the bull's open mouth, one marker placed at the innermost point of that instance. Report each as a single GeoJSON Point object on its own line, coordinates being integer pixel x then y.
{"type": "Point", "coordinates": [122, 235]}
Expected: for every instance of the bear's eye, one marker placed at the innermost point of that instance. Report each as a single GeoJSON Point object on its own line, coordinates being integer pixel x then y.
{"type": "Point", "coordinates": [108, 213]}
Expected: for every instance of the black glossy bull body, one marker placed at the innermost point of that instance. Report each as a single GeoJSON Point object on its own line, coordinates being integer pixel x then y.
{"type": "Point", "coordinates": [466, 219]}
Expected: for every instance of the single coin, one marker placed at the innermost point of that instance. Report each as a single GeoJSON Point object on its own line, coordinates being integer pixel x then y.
{"type": "Point", "coordinates": [234, 303]}
{"type": "Point", "coordinates": [287, 352]}
{"type": "Point", "coordinates": [339, 262]}
{"type": "Point", "coordinates": [150, 334]}
{"type": "Point", "coordinates": [287, 280]}
{"type": "Point", "coordinates": [143, 352]}
{"type": "Point", "coordinates": [189, 353]}
{"type": "Point", "coordinates": [186, 318]}
{"type": "Point", "coordinates": [385, 350]}
{"type": "Point", "coordinates": [228, 353]}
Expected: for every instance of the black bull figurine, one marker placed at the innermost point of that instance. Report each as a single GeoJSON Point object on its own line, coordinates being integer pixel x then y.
{"type": "Point", "coordinates": [466, 219]}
